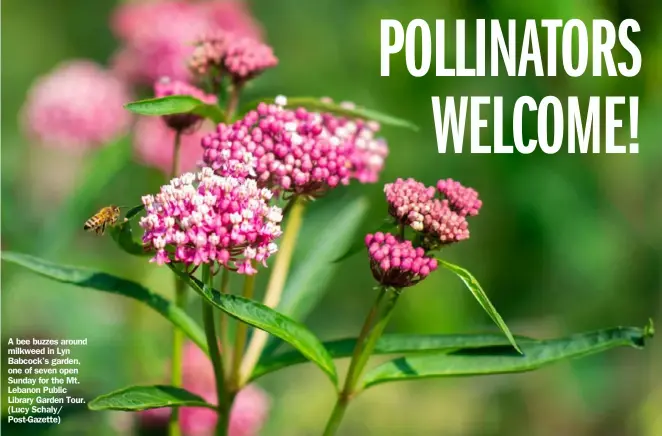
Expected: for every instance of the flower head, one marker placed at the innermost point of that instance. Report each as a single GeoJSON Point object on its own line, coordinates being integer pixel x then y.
{"type": "Point", "coordinates": [461, 199]}
{"type": "Point", "coordinates": [249, 411]}
{"type": "Point", "coordinates": [222, 53]}
{"type": "Point", "coordinates": [295, 151]}
{"type": "Point", "coordinates": [414, 204]}
{"type": "Point", "coordinates": [154, 143]}
{"type": "Point", "coordinates": [397, 263]}
{"type": "Point", "coordinates": [206, 218]}
{"type": "Point", "coordinates": [165, 87]}
{"type": "Point", "coordinates": [77, 105]}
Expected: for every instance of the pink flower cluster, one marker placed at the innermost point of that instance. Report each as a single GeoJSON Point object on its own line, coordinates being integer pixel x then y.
{"type": "Point", "coordinates": [462, 200]}
{"type": "Point", "coordinates": [249, 412]}
{"type": "Point", "coordinates": [397, 263]}
{"type": "Point", "coordinates": [78, 105]}
{"type": "Point", "coordinates": [158, 36]}
{"type": "Point", "coordinates": [206, 218]}
{"type": "Point", "coordinates": [241, 58]}
{"type": "Point", "coordinates": [295, 151]}
{"type": "Point", "coordinates": [165, 87]}
{"type": "Point", "coordinates": [440, 221]}
{"type": "Point", "coordinates": [154, 144]}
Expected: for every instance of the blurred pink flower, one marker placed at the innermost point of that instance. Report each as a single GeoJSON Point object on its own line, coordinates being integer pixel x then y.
{"type": "Point", "coordinates": [153, 144]}
{"type": "Point", "coordinates": [249, 412]}
{"type": "Point", "coordinates": [78, 105]}
{"type": "Point", "coordinates": [158, 37]}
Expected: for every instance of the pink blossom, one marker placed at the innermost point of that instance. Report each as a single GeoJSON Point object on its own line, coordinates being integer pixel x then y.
{"type": "Point", "coordinates": [154, 142]}
{"type": "Point", "coordinates": [78, 105]}
{"type": "Point", "coordinates": [188, 122]}
{"type": "Point", "coordinates": [249, 411]}
{"type": "Point", "coordinates": [158, 36]}
{"type": "Point", "coordinates": [206, 218]}
{"type": "Point", "coordinates": [245, 58]}
{"type": "Point", "coordinates": [295, 151]}
{"type": "Point", "coordinates": [461, 199]}
{"type": "Point", "coordinates": [414, 204]}
{"type": "Point", "coordinates": [397, 263]}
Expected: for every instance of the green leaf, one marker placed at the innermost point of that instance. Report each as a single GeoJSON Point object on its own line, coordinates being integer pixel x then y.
{"type": "Point", "coordinates": [131, 213]}
{"type": "Point", "coordinates": [100, 281]}
{"type": "Point", "coordinates": [359, 244]}
{"type": "Point", "coordinates": [176, 104]}
{"type": "Point", "coordinates": [477, 291]}
{"type": "Point", "coordinates": [317, 105]}
{"type": "Point", "coordinates": [503, 359]}
{"type": "Point", "coordinates": [136, 398]}
{"type": "Point", "coordinates": [387, 344]}
{"type": "Point", "coordinates": [122, 234]}
{"type": "Point", "coordinates": [267, 319]}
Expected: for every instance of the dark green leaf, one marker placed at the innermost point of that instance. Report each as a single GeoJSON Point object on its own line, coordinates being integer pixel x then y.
{"type": "Point", "coordinates": [86, 278]}
{"type": "Point", "coordinates": [131, 213]}
{"type": "Point", "coordinates": [359, 244]}
{"type": "Point", "coordinates": [477, 291]}
{"type": "Point", "coordinates": [387, 344]}
{"type": "Point", "coordinates": [122, 234]}
{"type": "Point", "coordinates": [135, 398]}
{"type": "Point", "coordinates": [503, 359]}
{"type": "Point", "coordinates": [267, 319]}
{"type": "Point", "coordinates": [176, 104]}
{"type": "Point", "coordinates": [317, 105]}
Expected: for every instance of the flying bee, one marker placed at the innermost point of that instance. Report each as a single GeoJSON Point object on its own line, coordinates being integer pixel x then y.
{"type": "Point", "coordinates": [107, 216]}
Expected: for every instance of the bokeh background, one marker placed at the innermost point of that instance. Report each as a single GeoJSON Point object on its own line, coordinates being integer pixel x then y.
{"type": "Point", "coordinates": [564, 243]}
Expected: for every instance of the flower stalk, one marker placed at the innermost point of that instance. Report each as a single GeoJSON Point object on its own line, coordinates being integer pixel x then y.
{"type": "Point", "coordinates": [372, 330]}
{"type": "Point", "coordinates": [240, 338]}
{"type": "Point", "coordinates": [276, 284]}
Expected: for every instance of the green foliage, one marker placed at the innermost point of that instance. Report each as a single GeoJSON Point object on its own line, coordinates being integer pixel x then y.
{"type": "Point", "coordinates": [267, 319]}
{"type": "Point", "coordinates": [122, 234]}
{"type": "Point", "coordinates": [136, 398]}
{"type": "Point", "coordinates": [317, 105]}
{"type": "Point", "coordinates": [477, 291]}
{"type": "Point", "coordinates": [503, 359]}
{"type": "Point", "coordinates": [387, 344]}
{"type": "Point", "coordinates": [100, 281]}
{"type": "Point", "coordinates": [176, 104]}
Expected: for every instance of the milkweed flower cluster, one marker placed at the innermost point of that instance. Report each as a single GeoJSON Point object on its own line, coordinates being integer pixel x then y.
{"type": "Point", "coordinates": [249, 411]}
{"type": "Point", "coordinates": [440, 221]}
{"type": "Point", "coordinates": [153, 143]}
{"type": "Point", "coordinates": [166, 87]}
{"type": "Point", "coordinates": [242, 58]}
{"type": "Point", "coordinates": [161, 47]}
{"type": "Point", "coordinates": [295, 151]}
{"type": "Point", "coordinates": [79, 105]}
{"type": "Point", "coordinates": [397, 263]}
{"type": "Point", "coordinates": [205, 218]}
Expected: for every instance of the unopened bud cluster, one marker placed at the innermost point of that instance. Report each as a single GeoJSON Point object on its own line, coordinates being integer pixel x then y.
{"type": "Point", "coordinates": [397, 263]}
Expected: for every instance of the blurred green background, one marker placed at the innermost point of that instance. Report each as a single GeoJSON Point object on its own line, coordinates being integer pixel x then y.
{"type": "Point", "coordinates": [564, 243]}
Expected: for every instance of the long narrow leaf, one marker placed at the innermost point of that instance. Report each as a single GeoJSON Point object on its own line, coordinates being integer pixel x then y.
{"type": "Point", "coordinates": [122, 234]}
{"type": "Point", "coordinates": [176, 104]}
{"type": "Point", "coordinates": [136, 398]}
{"type": "Point", "coordinates": [500, 360]}
{"type": "Point", "coordinates": [267, 319]}
{"type": "Point", "coordinates": [100, 281]}
{"type": "Point", "coordinates": [477, 291]}
{"type": "Point", "coordinates": [387, 344]}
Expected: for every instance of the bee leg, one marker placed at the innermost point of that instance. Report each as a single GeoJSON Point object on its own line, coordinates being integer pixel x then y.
{"type": "Point", "coordinates": [101, 229]}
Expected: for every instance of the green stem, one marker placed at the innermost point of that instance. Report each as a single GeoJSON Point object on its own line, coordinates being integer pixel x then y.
{"type": "Point", "coordinates": [275, 286]}
{"type": "Point", "coordinates": [215, 354]}
{"type": "Point", "coordinates": [233, 101]}
{"type": "Point", "coordinates": [223, 317]}
{"type": "Point", "coordinates": [178, 336]}
{"type": "Point", "coordinates": [365, 345]}
{"type": "Point", "coordinates": [240, 338]}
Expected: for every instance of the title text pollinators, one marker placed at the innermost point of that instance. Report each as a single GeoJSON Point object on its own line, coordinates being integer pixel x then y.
{"type": "Point", "coordinates": [513, 48]}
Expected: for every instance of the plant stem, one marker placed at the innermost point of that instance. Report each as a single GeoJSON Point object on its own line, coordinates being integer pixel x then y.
{"type": "Point", "coordinates": [180, 301]}
{"type": "Point", "coordinates": [215, 355]}
{"type": "Point", "coordinates": [174, 170]}
{"type": "Point", "coordinates": [233, 101]}
{"type": "Point", "coordinates": [240, 338]}
{"type": "Point", "coordinates": [223, 328]}
{"type": "Point", "coordinates": [365, 345]}
{"type": "Point", "coordinates": [275, 286]}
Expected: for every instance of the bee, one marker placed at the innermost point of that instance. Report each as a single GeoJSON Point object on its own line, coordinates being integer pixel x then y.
{"type": "Point", "coordinates": [107, 216]}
